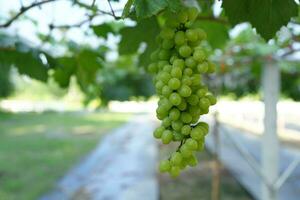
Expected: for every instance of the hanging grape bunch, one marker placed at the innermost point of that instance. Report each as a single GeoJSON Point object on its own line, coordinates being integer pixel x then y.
{"type": "Point", "coordinates": [177, 65]}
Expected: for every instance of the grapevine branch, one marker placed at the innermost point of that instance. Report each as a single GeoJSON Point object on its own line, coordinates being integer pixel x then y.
{"type": "Point", "coordinates": [24, 9]}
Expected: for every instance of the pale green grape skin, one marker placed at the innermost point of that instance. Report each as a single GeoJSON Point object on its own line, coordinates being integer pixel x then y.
{"type": "Point", "coordinates": [204, 103]}
{"type": "Point", "coordinates": [191, 144]}
{"type": "Point", "coordinates": [176, 158]}
{"type": "Point", "coordinates": [152, 68]}
{"type": "Point", "coordinates": [195, 119]}
{"type": "Point", "coordinates": [193, 100]}
{"type": "Point", "coordinates": [175, 99]}
{"type": "Point", "coordinates": [179, 38]}
{"type": "Point", "coordinates": [190, 62]}
{"type": "Point", "coordinates": [182, 16]}
{"type": "Point", "coordinates": [154, 56]}
{"type": "Point", "coordinates": [211, 98]}
{"type": "Point", "coordinates": [204, 126]}
{"type": "Point", "coordinates": [202, 67]}
{"type": "Point", "coordinates": [186, 117]}
{"type": "Point", "coordinates": [164, 54]}
{"type": "Point", "coordinates": [192, 161]}
{"type": "Point", "coordinates": [197, 134]}
{"type": "Point", "coordinates": [188, 71]}
{"type": "Point", "coordinates": [166, 91]}
{"type": "Point", "coordinates": [185, 151]}
{"type": "Point", "coordinates": [185, 51]}
{"type": "Point", "coordinates": [162, 63]}
{"type": "Point", "coordinates": [178, 136]}
{"type": "Point", "coordinates": [174, 114]}
{"type": "Point", "coordinates": [183, 105]}
{"type": "Point", "coordinates": [186, 80]}
{"type": "Point", "coordinates": [191, 35]}
{"type": "Point", "coordinates": [185, 91]}
{"type": "Point", "coordinates": [167, 137]}
{"type": "Point", "coordinates": [158, 132]}
{"type": "Point", "coordinates": [174, 83]}
{"type": "Point", "coordinates": [201, 92]}
{"type": "Point", "coordinates": [201, 34]}
{"type": "Point", "coordinates": [175, 171]}
{"type": "Point", "coordinates": [186, 129]}
{"type": "Point", "coordinates": [211, 67]}
{"type": "Point", "coordinates": [166, 122]}
{"type": "Point", "coordinates": [200, 145]}
{"type": "Point", "coordinates": [164, 166]}
{"type": "Point", "coordinates": [177, 125]}
{"type": "Point", "coordinates": [159, 85]}
{"type": "Point", "coordinates": [167, 68]}
{"type": "Point", "coordinates": [164, 77]}
{"type": "Point", "coordinates": [199, 55]}
{"type": "Point", "coordinates": [176, 72]}
{"type": "Point", "coordinates": [178, 63]}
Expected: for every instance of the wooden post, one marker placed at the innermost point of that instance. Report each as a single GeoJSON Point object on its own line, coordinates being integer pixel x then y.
{"type": "Point", "coordinates": [270, 144]}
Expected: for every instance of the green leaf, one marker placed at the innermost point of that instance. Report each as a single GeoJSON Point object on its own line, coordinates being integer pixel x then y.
{"type": "Point", "coordinates": [267, 16]}
{"type": "Point", "coordinates": [132, 37]}
{"type": "Point", "coordinates": [217, 33]}
{"type": "Point", "coordinates": [66, 68]}
{"type": "Point", "coordinates": [103, 30]}
{"type": "Point", "coordinates": [126, 9]}
{"type": "Point", "coordinates": [148, 8]}
{"type": "Point", "coordinates": [174, 5]}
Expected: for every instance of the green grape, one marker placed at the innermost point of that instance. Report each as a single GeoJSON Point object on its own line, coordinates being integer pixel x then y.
{"type": "Point", "coordinates": [164, 77]}
{"type": "Point", "coordinates": [193, 13]}
{"type": "Point", "coordinates": [190, 62]}
{"type": "Point", "coordinates": [186, 129]}
{"type": "Point", "coordinates": [185, 151]}
{"type": "Point", "coordinates": [164, 166]}
{"type": "Point", "coordinates": [176, 72]}
{"type": "Point", "coordinates": [185, 51]}
{"type": "Point", "coordinates": [204, 103]}
{"type": "Point", "coordinates": [183, 105]}
{"type": "Point", "coordinates": [177, 125]}
{"type": "Point", "coordinates": [178, 63]}
{"type": "Point", "coordinates": [191, 35]}
{"type": "Point", "coordinates": [174, 114]}
{"type": "Point", "coordinates": [192, 161]}
{"type": "Point", "coordinates": [166, 91]}
{"type": "Point", "coordinates": [167, 44]}
{"type": "Point", "coordinates": [174, 83]}
{"type": "Point", "coordinates": [175, 171]}
{"type": "Point", "coordinates": [202, 67]}
{"type": "Point", "coordinates": [167, 33]}
{"type": "Point", "coordinates": [199, 55]}
{"type": "Point", "coordinates": [211, 98]}
{"type": "Point", "coordinates": [201, 92]}
{"type": "Point", "coordinates": [176, 158]}
{"type": "Point", "coordinates": [167, 137]}
{"type": "Point", "coordinates": [178, 136]}
{"type": "Point", "coordinates": [166, 122]}
{"type": "Point", "coordinates": [182, 16]}
{"type": "Point", "coordinates": [185, 91]}
{"type": "Point", "coordinates": [175, 99]}
{"type": "Point", "coordinates": [188, 72]}
{"type": "Point", "coordinates": [158, 132]}
{"type": "Point", "coordinates": [197, 133]}
{"type": "Point", "coordinates": [186, 117]}
{"type": "Point", "coordinates": [179, 38]}
{"type": "Point", "coordinates": [193, 99]}
{"type": "Point", "coordinates": [167, 68]}
{"type": "Point", "coordinates": [164, 54]}
{"type": "Point", "coordinates": [191, 144]}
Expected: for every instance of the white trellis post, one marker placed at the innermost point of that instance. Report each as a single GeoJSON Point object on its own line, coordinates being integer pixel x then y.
{"type": "Point", "coordinates": [270, 145]}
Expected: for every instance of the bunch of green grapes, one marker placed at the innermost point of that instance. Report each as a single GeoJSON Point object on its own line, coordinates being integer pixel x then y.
{"type": "Point", "coordinates": [178, 65]}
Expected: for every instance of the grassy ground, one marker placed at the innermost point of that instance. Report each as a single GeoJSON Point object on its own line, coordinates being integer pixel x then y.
{"type": "Point", "coordinates": [37, 149]}
{"type": "Point", "coordinates": [195, 183]}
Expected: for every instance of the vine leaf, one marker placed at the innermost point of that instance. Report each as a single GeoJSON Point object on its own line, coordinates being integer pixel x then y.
{"type": "Point", "coordinates": [264, 15]}
{"type": "Point", "coordinates": [126, 9]}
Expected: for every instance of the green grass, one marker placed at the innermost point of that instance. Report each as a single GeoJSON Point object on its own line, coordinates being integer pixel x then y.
{"type": "Point", "coordinates": [196, 183]}
{"type": "Point", "coordinates": [37, 149]}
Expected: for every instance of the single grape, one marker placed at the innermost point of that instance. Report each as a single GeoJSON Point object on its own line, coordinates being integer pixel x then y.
{"type": "Point", "coordinates": [174, 83]}
{"type": "Point", "coordinates": [158, 132]}
{"type": "Point", "coordinates": [201, 92]}
{"type": "Point", "coordinates": [175, 171]}
{"type": "Point", "coordinates": [167, 33]}
{"type": "Point", "coordinates": [192, 13]}
{"type": "Point", "coordinates": [183, 105]}
{"type": "Point", "coordinates": [166, 122]}
{"type": "Point", "coordinates": [176, 158]}
{"type": "Point", "coordinates": [177, 125]}
{"type": "Point", "coordinates": [176, 72]}
{"type": "Point", "coordinates": [190, 62]}
{"type": "Point", "coordinates": [185, 151]}
{"type": "Point", "coordinates": [179, 63]}
{"type": "Point", "coordinates": [192, 161]}
{"type": "Point", "coordinates": [179, 38]}
{"type": "Point", "coordinates": [175, 99]}
{"type": "Point", "coordinates": [186, 129]}
{"type": "Point", "coordinates": [167, 137]}
{"type": "Point", "coordinates": [174, 114]}
{"type": "Point", "coordinates": [186, 117]}
{"type": "Point", "coordinates": [193, 100]}
{"type": "Point", "coordinates": [188, 72]}
{"type": "Point", "coordinates": [167, 44]}
{"type": "Point", "coordinates": [166, 91]}
{"type": "Point", "coordinates": [178, 136]}
{"type": "Point", "coordinates": [167, 68]}
{"type": "Point", "coordinates": [199, 55]}
{"type": "Point", "coordinates": [185, 51]}
{"type": "Point", "coordinates": [191, 144]}
{"type": "Point", "coordinates": [201, 34]}
{"type": "Point", "coordinates": [191, 35]}
{"type": "Point", "coordinates": [164, 166]}
{"type": "Point", "coordinates": [164, 54]}
{"type": "Point", "coordinates": [211, 98]}
{"type": "Point", "coordinates": [202, 67]}
{"type": "Point", "coordinates": [204, 103]}
{"type": "Point", "coordinates": [182, 16]}
{"type": "Point", "coordinates": [197, 133]}
{"type": "Point", "coordinates": [185, 91]}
